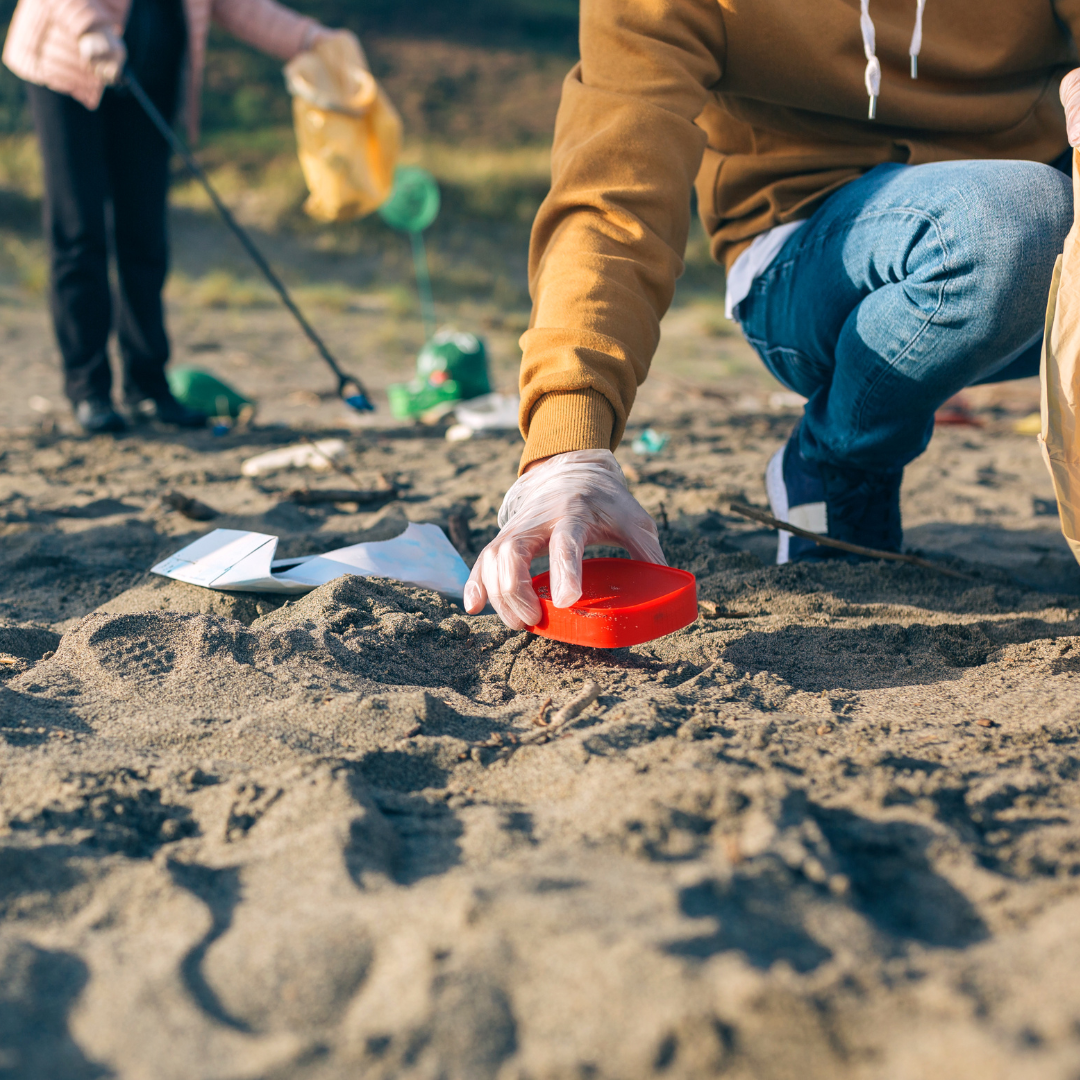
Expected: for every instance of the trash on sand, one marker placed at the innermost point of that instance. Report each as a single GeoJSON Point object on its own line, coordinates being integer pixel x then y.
{"type": "Point", "coordinates": [623, 602]}
{"type": "Point", "coordinates": [348, 135]}
{"type": "Point", "coordinates": [190, 508]}
{"type": "Point", "coordinates": [235, 561]}
{"type": "Point", "coordinates": [489, 412]}
{"type": "Point", "coordinates": [452, 366]}
{"type": "Point", "coordinates": [206, 393]}
{"type": "Point", "coordinates": [1028, 425]}
{"type": "Point", "coordinates": [319, 455]}
{"type": "Point", "coordinates": [958, 414]}
{"type": "Point", "coordinates": [649, 442]}
{"type": "Point", "coordinates": [1059, 376]}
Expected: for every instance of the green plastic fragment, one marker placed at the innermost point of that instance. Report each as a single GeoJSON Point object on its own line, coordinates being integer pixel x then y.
{"type": "Point", "coordinates": [204, 392]}
{"type": "Point", "coordinates": [414, 200]}
{"type": "Point", "coordinates": [452, 366]}
{"type": "Point", "coordinates": [649, 442]}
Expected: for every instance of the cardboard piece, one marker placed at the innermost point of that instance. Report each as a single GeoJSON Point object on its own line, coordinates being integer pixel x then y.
{"type": "Point", "coordinates": [236, 561]}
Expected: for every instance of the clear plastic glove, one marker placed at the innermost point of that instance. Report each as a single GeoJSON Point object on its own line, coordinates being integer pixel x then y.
{"type": "Point", "coordinates": [1070, 98]}
{"type": "Point", "coordinates": [104, 52]}
{"type": "Point", "coordinates": [559, 505]}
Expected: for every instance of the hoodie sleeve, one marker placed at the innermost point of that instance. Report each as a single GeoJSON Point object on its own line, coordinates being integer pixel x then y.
{"type": "Point", "coordinates": [608, 242]}
{"type": "Point", "coordinates": [265, 24]}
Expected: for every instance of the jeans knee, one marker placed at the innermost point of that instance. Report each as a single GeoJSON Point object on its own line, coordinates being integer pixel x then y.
{"type": "Point", "coordinates": [1022, 217]}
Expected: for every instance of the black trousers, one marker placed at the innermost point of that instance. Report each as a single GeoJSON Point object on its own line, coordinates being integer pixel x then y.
{"type": "Point", "coordinates": [106, 184]}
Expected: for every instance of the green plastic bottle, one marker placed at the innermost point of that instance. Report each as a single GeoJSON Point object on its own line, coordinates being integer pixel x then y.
{"type": "Point", "coordinates": [204, 392]}
{"type": "Point", "coordinates": [452, 366]}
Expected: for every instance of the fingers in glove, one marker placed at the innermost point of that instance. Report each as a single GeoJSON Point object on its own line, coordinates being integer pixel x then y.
{"type": "Point", "coordinates": [475, 593]}
{"type": "Point", "coordinates": [513, 596]}
{"type": "Point", "coordinates": [566, 549]}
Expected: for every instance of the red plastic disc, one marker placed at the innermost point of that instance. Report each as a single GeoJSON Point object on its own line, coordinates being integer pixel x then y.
{"type": "Point", "coordinates": [623, 602]}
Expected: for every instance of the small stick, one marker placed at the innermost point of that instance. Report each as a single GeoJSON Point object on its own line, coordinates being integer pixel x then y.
{"type": "Point", "coordinates": [843, 545]}
{"type": "Point", "coordinates": [309, 497]}
{"type": "Point", "coordinates": [190, 508]}
{"type": "Point", "coordinates": [541, 719]}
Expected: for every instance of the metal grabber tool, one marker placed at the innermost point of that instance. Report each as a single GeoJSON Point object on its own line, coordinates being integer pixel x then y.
{"type": "Point", "coordinates": [357, 398]}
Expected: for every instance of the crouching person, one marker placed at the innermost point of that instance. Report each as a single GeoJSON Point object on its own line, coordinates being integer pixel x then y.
{"type": "Point", "coordinates": [101, 153]}
{"type": "Point", "coordinates": [887, 188]}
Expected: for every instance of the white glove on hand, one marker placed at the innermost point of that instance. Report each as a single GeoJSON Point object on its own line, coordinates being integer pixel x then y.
{"type": "Point", "coordinates": [561, 504]}
{"type": "Point", "coordinates": [104, 53]}
{"type": "Point", "coordinates": [321, 33]}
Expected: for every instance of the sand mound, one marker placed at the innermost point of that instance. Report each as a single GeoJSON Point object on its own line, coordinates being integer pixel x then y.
{"type": "Point", "coordinates": [315, 845]}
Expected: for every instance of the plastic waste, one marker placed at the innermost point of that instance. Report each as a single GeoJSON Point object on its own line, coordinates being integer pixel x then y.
{"type": "Point", "coordinates": [205, 393]}
{"type": "Point", "coordinates": [235, 561]}
{"type": "Point", "coordinates": [1059, 376]}
{"type": "Point", "coordinates": [560, 505]}
{"type": "Point", "coordinates": [318, 455]}
{"type": "Point", "coordinates": [451, 367]}
{"type": "Point", "coordinates": [649, 442]}
{"type": "Point", "coordinates": [489, 412]}
{"type": "Point", "coordinates": [348, 135]}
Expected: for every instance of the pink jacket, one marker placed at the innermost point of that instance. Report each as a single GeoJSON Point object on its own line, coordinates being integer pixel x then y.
{"type": "Point", "coordinates": [42, 42]}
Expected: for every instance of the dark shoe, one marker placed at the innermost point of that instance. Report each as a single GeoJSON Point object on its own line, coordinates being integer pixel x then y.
{"type": "Point", "coordinates": [167, 410]}
{"type": "Point", "coordinates": [98, 417]}
{"type": "Point", "coordinates": [846, 504]}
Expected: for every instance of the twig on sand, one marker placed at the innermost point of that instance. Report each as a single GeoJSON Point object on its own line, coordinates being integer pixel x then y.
{"type": "Point", "coordinates": [190, 508]}
{"type": "Point", "coordinates": [317, 496]}
{"type": "Point", "coordinates": [842, 545]}
{"type": "Point", "coordinates": [566, 715]}
{"type": "Point", "coordinates": [541, 718]}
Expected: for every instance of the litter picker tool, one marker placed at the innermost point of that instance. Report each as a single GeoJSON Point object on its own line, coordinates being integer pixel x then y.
{"type": "Point", "coordinates": [350, 389]}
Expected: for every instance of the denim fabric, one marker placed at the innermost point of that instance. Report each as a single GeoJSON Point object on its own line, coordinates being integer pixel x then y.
{"type": "Point", "coordinates": [904, 287]}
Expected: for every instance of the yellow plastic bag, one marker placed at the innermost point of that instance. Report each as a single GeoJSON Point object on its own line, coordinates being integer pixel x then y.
{"type": "Point", "coordinates": [348, 135]}
{"type": "Point", "coordinates": [1060, 378]}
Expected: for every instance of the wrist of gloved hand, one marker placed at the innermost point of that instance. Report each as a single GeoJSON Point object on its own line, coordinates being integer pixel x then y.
{"type": "Point", "coordinates": [560, 505]}
{"type": "Point", "coordinates": [104, 52]}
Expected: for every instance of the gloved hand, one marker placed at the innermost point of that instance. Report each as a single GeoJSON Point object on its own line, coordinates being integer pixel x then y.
{"type": "Point", "coordinates": [104, 52]}
{"type": "Point", "coordinates": [560, 504]}
{"type": "Point", "coordinates": [1070, 98]}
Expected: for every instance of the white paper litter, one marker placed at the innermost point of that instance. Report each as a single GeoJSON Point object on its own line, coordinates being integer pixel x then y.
{"type": "Point", "coordinates": [235, 561]}
{"type": "Point", "coordinates": [317, 455]}
{"type": "Point", "coordinates": [489, 412]}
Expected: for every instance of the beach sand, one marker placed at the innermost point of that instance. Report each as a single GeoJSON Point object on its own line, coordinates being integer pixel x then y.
{"type": "Point", "coordinates": [832, 829]}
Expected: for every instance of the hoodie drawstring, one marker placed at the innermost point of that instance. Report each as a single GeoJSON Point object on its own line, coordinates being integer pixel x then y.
{"type": "Point", "coordinates": [916, 38]}
{"type": "Point", "coordinates": [873, 65]}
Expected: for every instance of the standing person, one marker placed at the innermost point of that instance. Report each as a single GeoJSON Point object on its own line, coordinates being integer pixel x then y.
{"type": "Point", "coordinates": [878, 178]}
{"type": "Point", "coordinates": [107, 172]}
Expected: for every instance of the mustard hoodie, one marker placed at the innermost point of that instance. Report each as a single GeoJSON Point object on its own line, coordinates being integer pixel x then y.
{"type": "Point", "coordinates": [767, 104]}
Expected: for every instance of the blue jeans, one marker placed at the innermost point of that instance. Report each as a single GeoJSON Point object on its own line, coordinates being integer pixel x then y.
{"type": "Point", "coordinates": [905, 286]}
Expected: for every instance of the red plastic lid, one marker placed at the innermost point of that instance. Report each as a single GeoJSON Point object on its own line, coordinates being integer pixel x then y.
{"type": "Point", "coordinates": [623, 602]}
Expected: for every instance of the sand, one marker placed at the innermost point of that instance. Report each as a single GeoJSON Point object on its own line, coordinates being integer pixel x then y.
{"type": "Point", "coordinates": [831, 829]}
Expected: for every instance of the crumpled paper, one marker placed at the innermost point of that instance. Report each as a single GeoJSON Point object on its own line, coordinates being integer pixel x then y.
{"type": "Point", "coordinates": [232, 560]}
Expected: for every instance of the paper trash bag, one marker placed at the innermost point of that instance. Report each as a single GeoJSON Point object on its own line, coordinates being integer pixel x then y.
{"type": "Point", "coordinates": [348, 135]}
{"type": "Point", "coordinates": [1060, 378]}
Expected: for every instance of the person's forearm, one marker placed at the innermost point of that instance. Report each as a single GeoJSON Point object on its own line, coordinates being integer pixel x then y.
{"type": "Point", "coordinates": [265, 24]}
{"type": "Point", "coordinates": [608, 241]}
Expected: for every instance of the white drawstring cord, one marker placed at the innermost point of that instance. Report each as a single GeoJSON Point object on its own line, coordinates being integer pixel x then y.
{"type": "Point", "coordinates": [916, 39]}
{"type": "Point", "coordinates": [873, 67]}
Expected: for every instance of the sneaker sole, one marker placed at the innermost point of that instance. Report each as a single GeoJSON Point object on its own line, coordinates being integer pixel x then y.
{"type": "Point", "coordinates": [777, 493]}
